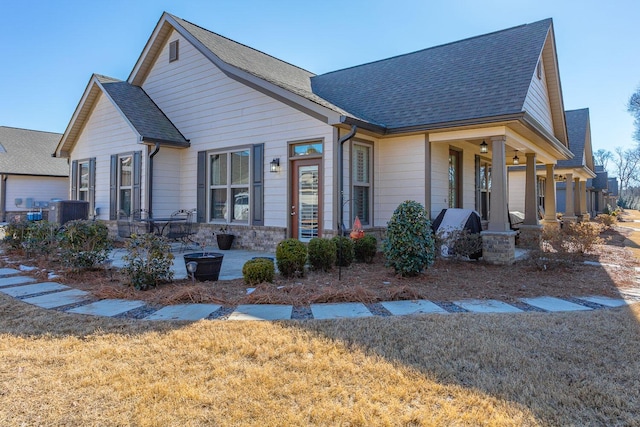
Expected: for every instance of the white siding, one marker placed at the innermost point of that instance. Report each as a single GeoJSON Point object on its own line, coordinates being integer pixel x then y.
{"type": "Point", "coordinates": [439, 178]}
{"type": "Point", "coordinates": [166, 181]}
{"type": "Point", "coordinates": [537, 102]}
{"type": "Point", "coordinates": [216, 112]}
{"type": "Point", "coordinates": [106, 133]}
{"type": "Point", "coordinates": [399, 175]}
{"type": "Point", "coordinates": [38, 188]}
{"type": "Point", "coordinates": [517, 182]}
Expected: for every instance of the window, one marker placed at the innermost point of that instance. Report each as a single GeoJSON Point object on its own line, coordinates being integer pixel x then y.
{"type": "Point", "coordinates": [483, 187]}
{"type": "Point", "coordinates": [83, 178]}
{"type": "Point", "coordinates": [361, 181]}
{"type": "Point", "coordinates": [229, 186]}
{"type": "Point", "coordinates": [306, 149]}
{"type": "Point", "coordinates": [455, 158]}
{"type": "Point", "coordinates": [542, 183]}
{"type": "Point", "coordinates": [173, 51]}
{"type": "Point", "coordinates": [125, 183]}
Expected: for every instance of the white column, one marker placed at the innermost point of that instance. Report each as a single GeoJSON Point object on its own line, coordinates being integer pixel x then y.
{"type": "Point", "coordinates": [498, 217]}
{"type": "Point", "coordinates": [531, 192]}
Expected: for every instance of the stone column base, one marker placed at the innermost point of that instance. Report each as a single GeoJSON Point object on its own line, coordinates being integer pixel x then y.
{"type": "Point", "coordinates": [530, 236]}
{"type": "Point", "coordinates": [551, 224]}
{"type": "Point", "coordinates": [499, 247]}
{"type": "Point", "coordinates": [566, 219]}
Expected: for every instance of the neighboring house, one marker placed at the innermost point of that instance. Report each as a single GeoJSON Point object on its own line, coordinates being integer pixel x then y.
{"type": "Point", "coordinates": [604, 198]}
{"type": "Point", "coordinates": [578, 172]}
{"type": "Point", "coordinates": [29, 177]}
{"type": "Point", "coordinates": [274, 150]}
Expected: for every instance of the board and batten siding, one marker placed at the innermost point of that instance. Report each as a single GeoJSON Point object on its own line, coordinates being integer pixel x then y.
{"type": "Point", "coordinates": [537, 102]}
{"type": "Point", "coordinates": [216, 112]}
{"type": "Point", "coordinates": [399, 175]}
{"type": "Point", "coordinates": [38, 188]}
{"type": "Point", "coordinates": [106, 133]}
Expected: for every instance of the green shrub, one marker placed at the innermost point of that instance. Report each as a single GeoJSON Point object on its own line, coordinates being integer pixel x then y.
{"type": "Point", "coordinates": [15, 234]}
{"type": "Point", "coordinates": [41, 238]}
{"type": "Point", "coordinates": [291, 256]}
{"type": "Point", "coordinates": [365, 249]}
{"type": "Point", "coordinates": [148, 261]}
{"type": "Point", "coordinates": [409, 246]}
{"type": "Point", "coordinates": [322, 254]}
{"type": "Point", "coordinates": [84, 244]}
{"type": "Point", "coordinates": [344, 251]}
{"type": "Point", "coordinates": [257, 271]}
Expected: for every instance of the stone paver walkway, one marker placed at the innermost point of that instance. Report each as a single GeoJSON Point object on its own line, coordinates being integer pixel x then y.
{"type": "Point", "coordinates": [53, 295]}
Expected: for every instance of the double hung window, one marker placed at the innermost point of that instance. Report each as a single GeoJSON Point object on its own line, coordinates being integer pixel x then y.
{"type": "Point", "coordinates": [229, 186]}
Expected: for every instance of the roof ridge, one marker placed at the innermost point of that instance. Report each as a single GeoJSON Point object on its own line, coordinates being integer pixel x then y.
{"type": "Point", "coordinates": [439, 46]}
{"type": "Point", "coordinates": [242, 44]}
{"type": "Point", "coordinates": [30, 130]}
{"type": "Point", "coordinates": [577, 109]}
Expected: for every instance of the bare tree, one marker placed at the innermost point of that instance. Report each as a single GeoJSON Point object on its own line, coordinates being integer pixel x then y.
{"type": "Point", "coordinates": [602, 157]}
{"type": "Point", "coordinates": [627, 164]}
{"type": "Point", "coordinates": [634, 108]}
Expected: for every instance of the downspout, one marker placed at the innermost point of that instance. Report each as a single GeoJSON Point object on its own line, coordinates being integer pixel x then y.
{"type": "Point", "coordinates": [3, 198]}
{"type": "Point", "coordinates": [150, 188]}
{"type": "Point", "coordinates": [341, 142]}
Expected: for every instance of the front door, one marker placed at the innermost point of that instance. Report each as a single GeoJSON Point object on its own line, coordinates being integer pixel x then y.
{"type": "Point", "coordinates": [306, 199]}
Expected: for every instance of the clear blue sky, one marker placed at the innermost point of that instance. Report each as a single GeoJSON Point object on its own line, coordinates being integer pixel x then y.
{"type": "Point", "coordinates": [51, 48]}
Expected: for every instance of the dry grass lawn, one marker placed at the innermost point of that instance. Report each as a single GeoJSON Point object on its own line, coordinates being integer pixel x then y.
{"type": "Point", "coordinates": [457, 369]}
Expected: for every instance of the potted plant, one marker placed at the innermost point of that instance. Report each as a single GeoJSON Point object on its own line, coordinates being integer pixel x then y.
{"type": "Point", "coordinates": [224, 238]}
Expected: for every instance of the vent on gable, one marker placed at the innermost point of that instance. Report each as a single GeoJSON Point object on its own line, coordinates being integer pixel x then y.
{"type": "Point", "coordinates": [539, 70]}
{"type": "Point", "coordinates": [173, 51]}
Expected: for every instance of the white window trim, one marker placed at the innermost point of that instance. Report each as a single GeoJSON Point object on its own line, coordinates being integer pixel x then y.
{"type": "Point", "coordinates": [229, 186]}
{"type": "Point", "coordinates": [369, 185]}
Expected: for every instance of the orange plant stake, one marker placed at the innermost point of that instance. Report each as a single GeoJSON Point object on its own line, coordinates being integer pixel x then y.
{"type": "Point", "coordinates": [357, 232]}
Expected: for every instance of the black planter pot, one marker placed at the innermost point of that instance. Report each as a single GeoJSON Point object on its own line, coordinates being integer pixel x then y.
{"type": "Point", "coordinates": [208, 265]}
{"type": "Point", "coordinates": [224, 241]}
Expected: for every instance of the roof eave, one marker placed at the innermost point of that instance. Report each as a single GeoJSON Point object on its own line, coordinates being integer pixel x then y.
{"type": "Point", "coordinates": [166, 142]}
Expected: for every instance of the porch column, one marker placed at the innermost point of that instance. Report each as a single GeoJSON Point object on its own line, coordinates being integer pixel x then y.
{"type": "Point", "coordinates": [583, 201]}
{"type": "Point", "coordinates": [531, 192]}
{"type": "Point", "coordinates": [498, 217]}
{"type": "Point", "coordinates": [550, 197]}
{"type": "Point", "coordinates": [577, 198]}
{"type": "Point", "coordinates": [569, 208]}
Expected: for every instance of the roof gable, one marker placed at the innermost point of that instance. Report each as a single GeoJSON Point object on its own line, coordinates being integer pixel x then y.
{"type": "Point", "coordinates": [28, 152]}
{"type": "Point", "coordinates": [480, 77]}
{"type": "Point", "coordinates": [579, 132]}
{"type": "Point", "coordinates": [135, 106]}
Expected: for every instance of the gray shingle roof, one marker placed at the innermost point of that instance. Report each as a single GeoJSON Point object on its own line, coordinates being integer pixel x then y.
{"type": "Point", "coordinates": [287, 76]}
{"type": "Point", "coordinates": [601, 179]}
{"type": "Point", "coordinates": [577, 124]}
{"type": "Point", "coordinates": [143, 114]}
{"type": "Point", "coordinates": [28, 152]}
{"type": "Point", "coordinates": [480, 77]}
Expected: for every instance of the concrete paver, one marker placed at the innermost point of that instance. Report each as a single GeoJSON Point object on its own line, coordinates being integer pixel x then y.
{"type": "Point", "coordinates": [16, 280]}
{"type": "Point", "coordinates": [4, 272]}
{"type": "Point", "coordinates": [36, 288]}
{"type": "Point", "coordinates": [554, 304]}
{"type": "Point", "coordinates": [403, 308]}
{"type": "Point", "coordinates": [107, 307]}
{"type": "Point", "coordinates": [340, 310]}
{"type": "Point", "coordinates": [262, 312]}
{"type": "Point", "coordinates": [59, 299]}
{"type": "Point", "coordinates": [487, 306]}
{"type": "Point", "coordinates": [184, 312]}
{"type": "Point", "coordinates": [606, 301]}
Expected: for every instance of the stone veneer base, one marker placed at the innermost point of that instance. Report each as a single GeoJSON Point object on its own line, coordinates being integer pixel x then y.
{"type": "Point", "coordinates": [530, 236]}
{"type": "Point", "coordinates": [499, 247]}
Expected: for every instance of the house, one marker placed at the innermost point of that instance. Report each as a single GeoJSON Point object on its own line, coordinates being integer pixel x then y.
{"type": "Point", "coordinates": [605, 191]}
{"type": "Point", "coordinates": [276, 151]}
{"type": "Point", "coordinates": [29, 177]}
{"type": "Point", "coordinates": [575, 195]}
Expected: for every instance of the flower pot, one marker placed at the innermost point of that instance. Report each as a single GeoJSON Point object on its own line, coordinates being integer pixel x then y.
{"type": "Point", "coordinates": [208, 265]}
{"type": "Point", "coordinates": [224, 241]}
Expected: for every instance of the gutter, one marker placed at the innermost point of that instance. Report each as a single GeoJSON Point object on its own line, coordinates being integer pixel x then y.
{"type": "Point", "coordinates": [341, 142]}
{"type": "Point", "coordinates": [150, 188]}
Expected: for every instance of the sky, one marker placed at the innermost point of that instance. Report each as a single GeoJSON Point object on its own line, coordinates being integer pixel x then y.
{"type": "Point", "coordinates": [50, 48]}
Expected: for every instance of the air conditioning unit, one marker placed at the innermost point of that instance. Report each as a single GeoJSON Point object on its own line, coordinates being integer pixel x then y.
{"type": "Point", "coordinates": [63, 211]}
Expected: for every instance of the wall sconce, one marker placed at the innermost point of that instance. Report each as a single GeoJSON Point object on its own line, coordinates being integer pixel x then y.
{"type": "Point", "coordinates": [516, 160]}
{"type": "Point", "coordinates": [274, 166]}
{"type": "Point", "coordinates": [484, 148]}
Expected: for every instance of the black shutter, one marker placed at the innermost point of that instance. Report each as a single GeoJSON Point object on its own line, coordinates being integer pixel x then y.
{"type": "Point", "coordinates": [113, 188]}
{"type": "Point", "coordinates": [136, 196]}
{"type": "Point", "coordinates": [257, 190]}
{"type": "Point", "coordinates": [201, 191]}
{"type": "Point", "coordinates": [92, 185]}
{"type": "Point", "coordinates": [74, 180]}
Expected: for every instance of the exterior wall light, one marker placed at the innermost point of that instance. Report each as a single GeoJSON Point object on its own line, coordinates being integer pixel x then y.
{"type": "Point", "coordinates": [484, 148]}
{"type": "Point", "coordinates": [516, 160]}
{"type": "Point", "coordinates": [274, 166]}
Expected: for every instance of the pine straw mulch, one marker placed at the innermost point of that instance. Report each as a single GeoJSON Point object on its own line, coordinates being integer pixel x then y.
{"type": "Point", "coordinates": [446, 280]}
